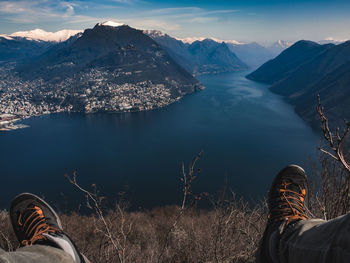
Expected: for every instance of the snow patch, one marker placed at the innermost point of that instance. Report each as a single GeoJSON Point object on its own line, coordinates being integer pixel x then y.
{"type": "Point", "coordinates": [42, 35]}
{"type": "Point", "coordinates": [282, 44]}
{"type": "Point", "coordinates": [110, 23]}
{"type": "Point", "coordinates": [6, 37]}
{"type": "Point", "coordinates": [332, 40]}
{"type": "Point", "coordinates": [154, 33]}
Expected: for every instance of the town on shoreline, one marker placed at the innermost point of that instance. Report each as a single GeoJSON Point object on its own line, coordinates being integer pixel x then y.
{"type": "Point", "coordinates": [90, 92]}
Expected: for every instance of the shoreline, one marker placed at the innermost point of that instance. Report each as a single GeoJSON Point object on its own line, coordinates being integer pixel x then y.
{"type": "Point", "coordinates": [12, 126]}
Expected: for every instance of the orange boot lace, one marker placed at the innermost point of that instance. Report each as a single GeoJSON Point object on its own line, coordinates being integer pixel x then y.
{"type": "Point", "coordinates": [34, 225]}
{"type": "Point", "coordinates": [290, 204]}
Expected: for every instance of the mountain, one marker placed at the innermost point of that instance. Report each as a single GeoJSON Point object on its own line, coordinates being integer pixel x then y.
{"type": "Point", "coordinates": [190, 40]}
{"type": "Point", "coordinates": [214, 57]}
{"type": "Point", "coordinates": [107, 47]}
{"type": "Point", "coordinates": [334, 91]}
{"type": "Point", "coordinates": [288, 61]}
{"type": "Point", "coordinates": [201, 56]}
{"type": "Point", "coordinates": [280, 45]}
{"type": "Point", "coordinates": [307, 69]}
{"type": "Point", "coordinates": [121, 53]}
{"type": "Point", "coordinates": [252, 54]}
{"type": "Point", "coordinates": [26, 44]}
{"type": "Point", "coordinates": [16, 48]}
{"type": "Point", "coordinates": [177, 49]}
{"type": "Point", "coordinates": [314, 70]}
{"type": "Point", "coordinates": [42, 35]}
{"type": "Point", "coordinates": [331, 40]}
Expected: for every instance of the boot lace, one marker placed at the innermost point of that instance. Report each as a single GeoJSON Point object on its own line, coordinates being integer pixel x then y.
{"type": "Point", "coordinates": [290, 203]}
{"type": "Point", "coordinates": [33, 224]}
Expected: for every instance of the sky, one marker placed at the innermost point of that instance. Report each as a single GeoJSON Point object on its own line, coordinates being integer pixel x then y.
{"type": "Point", "coordinates": [243, 20]}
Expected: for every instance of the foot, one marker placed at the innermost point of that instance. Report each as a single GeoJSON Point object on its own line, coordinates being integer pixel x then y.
{"type": "Point", "coordinates": [36, 223]}
{"type": "Point", "coordinates": [286, 205]}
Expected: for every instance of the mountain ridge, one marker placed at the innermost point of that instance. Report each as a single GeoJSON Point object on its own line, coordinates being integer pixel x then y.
{"type": "Point", "coordinates": [201, 56]}
{"type": "Point", "coordinates": [307, 69]}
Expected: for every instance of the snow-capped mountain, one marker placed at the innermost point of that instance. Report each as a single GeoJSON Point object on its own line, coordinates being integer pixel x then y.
{"type": "Point", "coordinates": [282, 44]}
{"type": "Point", "coordinates": [42, 35]}
{"type": "Point", "coordinates": [200, 56]}
{"type": "Point", "coordinates": [279, 46]}
{"type": "Point", "coordinates": [190, 40]}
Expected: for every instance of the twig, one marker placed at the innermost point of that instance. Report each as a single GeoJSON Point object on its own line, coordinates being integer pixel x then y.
{"type": "Point", "coordinates": [187, 179]}
{"type": "Point", "coordinates": [335, 141]}
{"type": "Point", "coordinates": [96, 206]}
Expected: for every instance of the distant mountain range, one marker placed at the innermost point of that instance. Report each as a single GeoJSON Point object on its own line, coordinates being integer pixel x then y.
{"type": "Point", "coordinates": [249, 55]}
{"type": "Point", "coordinates": [201, 56]}
{"type": "Point", "coordinates": [306, 69]}
{"type": "Point", "coordinates": [42, 35]}
{"type": "Point", "coordinates": [252, 54]}
{"type": "Point", "coordinates": [196, 55]}
{"type": "Point", "coordinates": [24, 44]}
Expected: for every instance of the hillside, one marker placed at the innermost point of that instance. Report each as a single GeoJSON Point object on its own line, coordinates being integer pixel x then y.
{"type": "Point", "coordinates": [312, 71]}
{"type": "Point", "coordinates": [16, 48]}
{"type": "Point", "coordinates": [25, 44]}
{"type": "Point", "coordinates": [307, 69]}
{"type": "Point", "coordinates": [288, 61]}
{"type": "Point", "coordinates": [125, 50]}
{"type": "Point", "coordinates": [334, 90]}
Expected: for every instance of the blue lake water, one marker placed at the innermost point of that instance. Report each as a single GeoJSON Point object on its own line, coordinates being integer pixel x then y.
{"type": "Point", "coordinates": [246, 132]}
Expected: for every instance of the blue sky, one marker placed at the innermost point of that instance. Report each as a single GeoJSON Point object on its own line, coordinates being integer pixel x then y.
{"type": "Point", "coordinates": [243, 20]}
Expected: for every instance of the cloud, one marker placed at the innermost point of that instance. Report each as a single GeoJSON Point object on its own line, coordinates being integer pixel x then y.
{"type": "Point", "coordinates": [201, 19]}
{"type": "Point", "coordinates": [175, 10]}
{"type": "Point", "coordinates": [152, 24]}
{"type": "Point", "coordinates": [189, 11]}
{"type": "Point", "coordinates": [37, 11]}
{"type": "Point", "coordinates": [191, 14]}
{"type": "Point", "coordinates": [69, 9]}
{"type": "Point", "coordinates": [79, 13]}
{"type": "Point", "coordinates": [127, 2]}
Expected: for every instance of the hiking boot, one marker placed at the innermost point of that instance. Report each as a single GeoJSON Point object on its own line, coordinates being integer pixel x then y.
{"type": "Point", "coordinates": [36, 223]}
{"type": "Point", "coordinates": [286, 205]}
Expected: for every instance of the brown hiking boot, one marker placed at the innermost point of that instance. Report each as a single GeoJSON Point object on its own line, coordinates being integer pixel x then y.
{"type": "Point", "coordinates": [36, 223]}
{"type": "Point", "coordinates": [286, 204]}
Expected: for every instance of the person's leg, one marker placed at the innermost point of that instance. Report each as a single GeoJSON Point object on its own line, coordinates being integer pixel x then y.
{"type": "Point", "coordinates": [286, 206]}
{"type": "Point", "coordinates": [290, 236]}
{"type": "Point", "coordinates": [39, 230]}
{"type": "Point", "coordinates": [317, 240]}
{"type": "Point", "coordinates": [36, 254]}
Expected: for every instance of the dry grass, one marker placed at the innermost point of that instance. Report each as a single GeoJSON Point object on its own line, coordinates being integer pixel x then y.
{"type": "Point", "coordinates": [229, 233]}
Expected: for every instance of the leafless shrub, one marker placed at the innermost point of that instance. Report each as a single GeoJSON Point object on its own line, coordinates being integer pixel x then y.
{"type": "Point", "coordinates": [187, 179]}
{"type": "Point", "coordinates": [238, 228]}
{"type": "Point", "coordinates": [114, 236]}
{"type": "Point", "coordinates": [7, 236]}
{"type": "Point", "coordinates": [335, 139]}
{"type": "Point", "coordinates": [332, 195]}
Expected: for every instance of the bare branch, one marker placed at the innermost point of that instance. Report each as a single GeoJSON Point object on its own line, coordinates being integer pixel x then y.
{"type": "Point", "coordinates": [335, 146]}
{"type": "Point", "coordinates": [187, 179]}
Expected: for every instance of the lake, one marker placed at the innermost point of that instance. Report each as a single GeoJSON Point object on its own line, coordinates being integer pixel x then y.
{"type": "Point", "coordinates": [246, 132]}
